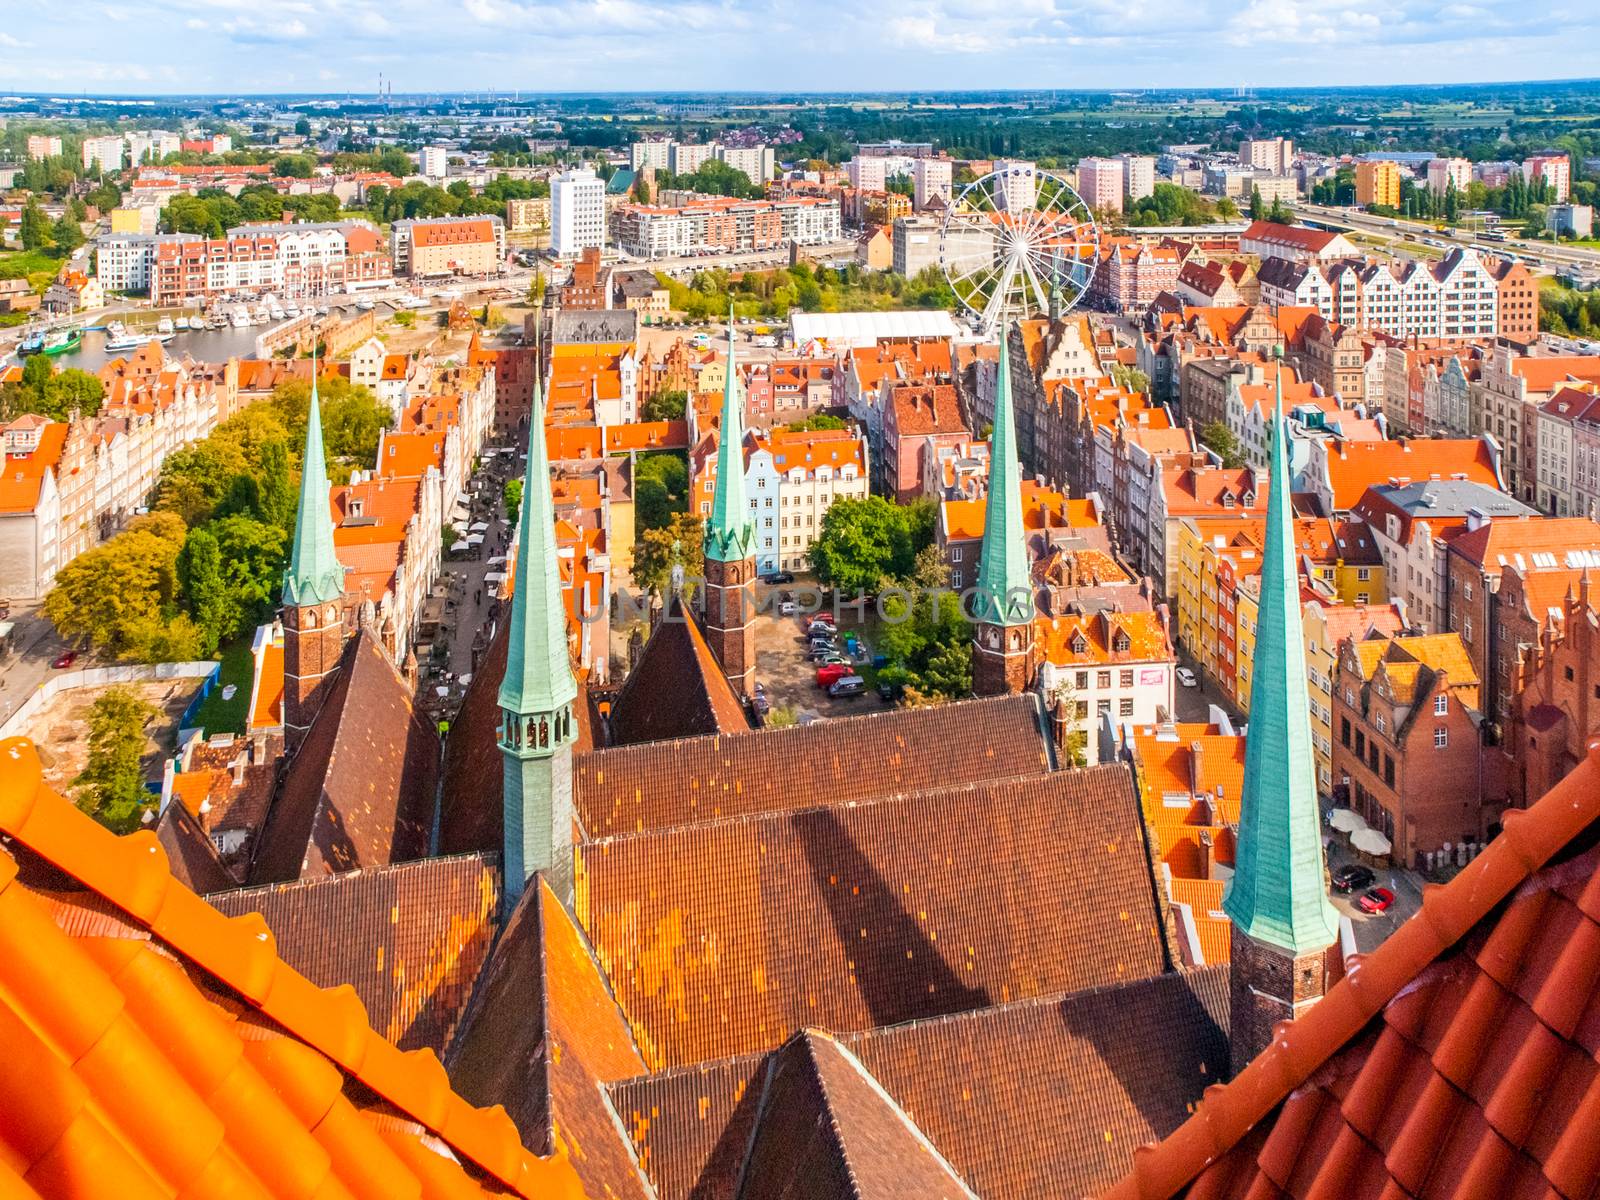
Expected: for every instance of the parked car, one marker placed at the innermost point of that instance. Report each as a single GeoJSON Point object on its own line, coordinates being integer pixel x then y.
{"type": "Point", "coordinates": [1352, 877]}
{"type": "Point", "coordinates": [1186, 677]}
{"type": "Point", "coordinates": [788, 608]}
{"type": "Point", "coordinates": [830, 674]}
{"type": "Point", "coordinates": [822, 622]}
{"type": "Point", "coordinates": [759, 701]}
{"type": "Point", "coordinates": [847, 687]}
{"type": "Point", "coordinates": [1376, 901]}
{"type": "Point", "coordinates": [890, 693]}
{"type": "Point", "coordinates": [833, 656]}
{"type": "Point", "coordinates": [65, 659]}
{"type": "Point", "coordinates": [777, 577]}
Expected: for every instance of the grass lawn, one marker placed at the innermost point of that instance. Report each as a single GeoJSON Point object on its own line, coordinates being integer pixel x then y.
{"type": "Point", "coordinates": [38, 267]}
{"type": "Point", "coordinates": [217, 715]}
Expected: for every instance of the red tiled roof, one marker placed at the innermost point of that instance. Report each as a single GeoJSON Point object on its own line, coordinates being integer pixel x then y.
{"type": "Point", "coordinates": [156, 1048]}
{"type": "Point", "coordinates": [1457, 1059]}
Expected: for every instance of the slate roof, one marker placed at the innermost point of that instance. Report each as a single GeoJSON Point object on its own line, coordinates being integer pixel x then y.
{"type": "Point", "coordinates": [414, 974]}
{"type": "Point", "coordinates": [1045, 1097]}
{"type": "Point", "coordinates": [155, 1048]}
{"type": "Point", "coordinates": [727, 937]}
{"type": "Point", "coordinates": [191, 857]}
{"type": "Point", "coordinates": [542, 1037]}
{"type": "Point", "coordinates": [677, 688]}
{"type": "Point", "coordinates": [1457, 1059]}
{"type": "Point", "coordinates": [359, 792]}
{"type": "Point", "coordinates": [637, 788]}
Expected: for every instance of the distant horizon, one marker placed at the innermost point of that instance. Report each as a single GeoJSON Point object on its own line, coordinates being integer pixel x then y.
{"type": "Point", "coordinates": [198, 49]}
{"type": "Point", "coordinates": [1241, 92]}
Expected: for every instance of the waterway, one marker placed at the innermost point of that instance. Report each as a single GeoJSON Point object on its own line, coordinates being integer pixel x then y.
{"type": "Point", "coordinates": [206, 345]}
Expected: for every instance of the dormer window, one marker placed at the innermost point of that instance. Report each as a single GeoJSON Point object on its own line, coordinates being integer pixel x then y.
{"type": "Point", "coordinates": [1080, 644]}
{"type": "Point", "coordinates": [1121, 643]}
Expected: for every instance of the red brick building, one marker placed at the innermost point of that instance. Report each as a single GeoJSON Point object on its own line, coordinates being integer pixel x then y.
{"type": "Point", "coordinates": [587, 288]}
{"type": "Point", "coordinates": [1406, 743]}
{"type": "Point", "coordinates": [918, 418]}
{"type": "Point", "coordinates": [1555, 706]}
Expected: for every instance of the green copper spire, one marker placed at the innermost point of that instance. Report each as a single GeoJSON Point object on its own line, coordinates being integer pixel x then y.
{"type": "Point", "coordinates": [538, 676]}
{"type": "Point", "coordinates": [730, 534]}
{"type": "Point", "coordinates": [314, 574]}
{"type": "Point", "coordinates": [1276, 894]}
{"type": "Point", "coordinates": [1005, 585]}
{"type": "Point", "coordinates": [537, 728]}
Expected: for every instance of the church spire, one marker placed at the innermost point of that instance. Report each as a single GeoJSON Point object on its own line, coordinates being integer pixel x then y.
{"type": "Point", "coordinates": [1002, 604]}
{"type": "Point", "coordinates": [537, 691]}
{"type": "Point", "coordinates": [730, 533]}
{"type": "Point", "coordinates": [1276, 898]}
{"type": "Point", "coordinates": [314, 574]}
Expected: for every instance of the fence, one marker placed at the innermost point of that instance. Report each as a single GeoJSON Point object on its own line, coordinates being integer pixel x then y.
{"type": "Point", "coordinates": [101, 676]}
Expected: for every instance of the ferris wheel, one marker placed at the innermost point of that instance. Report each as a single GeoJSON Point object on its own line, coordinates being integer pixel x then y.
{"type": "Point", "coordinates": [1012, 237]}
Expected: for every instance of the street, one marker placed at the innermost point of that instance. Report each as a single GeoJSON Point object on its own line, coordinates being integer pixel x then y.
{"type": "Point", "coordinates": [34, 646]}
{"type": "Point", "coordinates": [1541, 254]}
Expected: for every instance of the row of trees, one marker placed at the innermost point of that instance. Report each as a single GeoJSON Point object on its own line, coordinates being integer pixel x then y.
{"type": "Point", "coordinates": [36, 231]}
{"type": "Point", "coordinates": [1562, 310]}
{"type": "Point", "coordinates": [775, 293]}
{"type": "Point", "coordinates": [211, 212]}
{"type": "Point", "coordinates": [205, 565]}
{"type": "Point", "coordinates": [1173, 204]}
{"type": "Point", "coordinates": [53, 394]}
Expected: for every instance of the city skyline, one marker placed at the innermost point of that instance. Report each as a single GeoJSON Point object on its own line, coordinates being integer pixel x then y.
{"type": "Point", "coordinates": [279, 46]}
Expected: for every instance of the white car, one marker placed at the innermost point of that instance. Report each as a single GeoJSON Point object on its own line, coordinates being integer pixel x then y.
{"type": "Point", "coordinates": [1186, 677]}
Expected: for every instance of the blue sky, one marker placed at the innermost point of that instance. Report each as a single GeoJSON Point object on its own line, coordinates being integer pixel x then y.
{"type": "Point", "coordinates": [155, 46]}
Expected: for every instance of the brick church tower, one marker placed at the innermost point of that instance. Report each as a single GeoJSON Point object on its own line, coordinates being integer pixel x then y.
{"type": "Point", "coordinates": [1285, 932]}
{"type": "Point", "coordinates": [313, 592]}
{"type": "Point", "coordinates": [730, 548]}
{"type": "Point", "coordinates": [1002, 604]}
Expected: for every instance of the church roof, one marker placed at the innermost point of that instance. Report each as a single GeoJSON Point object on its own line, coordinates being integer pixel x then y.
{"type": "Point", "coordinates": [730, 533]}
{"type": "Point", "coordinates": [1042, 1097]}
{"type": "Point", "coordinates": [676, 689]}
{"type": "Point", "coordinates": [637, 788]}
{"type": "Point", "coordinates": [314, 574]}
{"type": "Point", "coordinates": [156, 1048]}
{"type": "Point", "coordinates": [359, 792]}
{"type": "Point", "coordinates": [542, 1038]}
{"type": "Point", "coordinates": [191, 857]}
{"type": "Point", "coordinates": [1004, 588]}
{"type": "Point", "coordinates": [727, 937]}
{"type": "Point", "coordinates": [1456, 1059]}
{"type": "Point", "coordinates": [413, 975]}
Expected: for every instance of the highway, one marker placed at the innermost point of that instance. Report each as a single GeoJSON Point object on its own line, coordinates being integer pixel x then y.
{"type": "Point", "coordinates": [1541, 255]}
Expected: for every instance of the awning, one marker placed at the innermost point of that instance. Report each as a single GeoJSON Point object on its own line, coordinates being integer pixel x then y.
{"type": "Point", "coordinates": [494, 577]}
{"type": "Point", "coordinates": [475, 540]}
{"type": "Point", "coordinates": [1370, 841]}
{"type": "Point", "coordinates": [479, 526]}
{"type": "Point", "coordinates": [463, 498]}
{"type": "Point", "coordinates": [496, 560]}
{"type": "Point", "coordinates": [6, 627]}
{"type": "Point", "coordinates": [1347, 820]}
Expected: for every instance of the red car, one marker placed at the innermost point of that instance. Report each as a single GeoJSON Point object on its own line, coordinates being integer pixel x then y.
{"type": "Point", "coordinates": [1376, 901]}
{"type": "Point", "coordinates": [832, 672]}
{"type": "Point", "coordinates": [65, 659]}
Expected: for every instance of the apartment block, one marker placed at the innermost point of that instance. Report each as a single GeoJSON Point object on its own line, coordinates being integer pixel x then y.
{"type": "Point", "coordinates": [658, 231]}
{"type": "Point", "coordinates": [1100, 183]}
{"type": "Point", "coordinates": [103, 152]}
{"type": "Point", "coordinates": [577, 212]}
{"type": "Point", "coordinates": [1378, 183]}
{"type": "Point", "coordinates": [43, 147]}
{"type": "Point", "coordinates": [1272, 155]}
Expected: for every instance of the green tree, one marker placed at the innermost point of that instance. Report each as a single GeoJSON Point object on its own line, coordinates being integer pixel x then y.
{"type": "Point", "coordinates": [1129, 378]}
{"type": "Point", "coordinates": [200, 577]}
{"type": "Point", "coordinates": [816, 422]}
{"type": "Point", "coordinates": [105, 197]}
{"type": "Point", "coordinates": [67, 235]}
{"type": "Point", "coordinates": [277, 499]}
{"type": "Point", "coordinates": [34, 228]}
{"type": "Point", "coordinates": [107, 594]}
{"type": "Point", "coordinates": [659, 551]}
{"type": "Point", "coordinates": [51, 394]}
{"type": "Point", "coordinates": [1219, 438]}
{"type": "Point", "coordinates": [928, 642]}
{"type": "Point", "coordinates": [111, 786]}
{"type": "Point", "coordinates": [1227, 209]}
{"type": "Point", "coordinates": [352, 419]}
{"type": "Point", "coordinates": [660, 489]}
{"type": "Point", "coordinates": [253, 555]}
{"type": "Point", "coordinates": [511, 494]}
{"type": "Point", "coordinates": [1258, 206]}
{"type": "Point", "coordinates": [77, 209]}
{"type": "Point", "coordinates": [668, 404]}
{"type": "Point", "coordinates": [863, 543]}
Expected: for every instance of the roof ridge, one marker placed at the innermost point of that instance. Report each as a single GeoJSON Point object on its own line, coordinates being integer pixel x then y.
{"type": "Point", "coordinates": [132, 873]}
{"type": "Point", "coordinates": [1228, 1112]}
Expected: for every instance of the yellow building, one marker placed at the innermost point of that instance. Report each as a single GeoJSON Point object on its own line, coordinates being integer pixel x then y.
{"type": "Point", "coordinates": [1378, 183]}
{"type": "Point", "coordinates": [1325, 625]}
{"type": "Point", "coordinates": [134, 220]}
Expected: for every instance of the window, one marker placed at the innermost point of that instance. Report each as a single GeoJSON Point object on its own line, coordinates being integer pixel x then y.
{"type": "Point", "coordinates": [1082, 710]}
{"type": "Point", "coordinates": [1362, 597]}
{"type": "Point", "coordinates": [1377, 719]}
{"type": "Point", "coordinates": [1125, 706]}
{"type": "Point", "coordinates": [1363, 573]}
{"type": "Point", "coordinates": [1102, 679]}
{"type": "Point", "coordinates": [1127, 679]}
{"type": "Point", "coordinates": [955, 554]}
{"type": "Point", "coordinates": [1361, 744]}
{"type": "Point", "coordinates": [1082, 680]}
{"type": "Point", "coordinates": [1344, 730]}
{"type": "Point", "coordinates": [1567, 672]}
{"type": "Point", "coordinates": [1441, 705]}
{"type": "Point", "coordinates": [1388, 770]}
{"type": "Point", "coordinates": [1103, 707]}
{"type": "Point", "coordinates": [1441, 738]}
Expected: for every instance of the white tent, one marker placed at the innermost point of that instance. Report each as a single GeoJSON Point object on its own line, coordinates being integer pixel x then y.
{"type": "Point", "coordinates": [1347, 820]}
{"type": "Point", "coordinates": [1370, 841]}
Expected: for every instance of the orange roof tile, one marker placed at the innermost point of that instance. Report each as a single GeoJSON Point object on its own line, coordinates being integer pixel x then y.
{"type": "Point", "coordinates": [1353, 467]}
{"type": "Point", "coordinates": [1458, 1058]}
{"type": "Point", "coordinates": [158, 1048]}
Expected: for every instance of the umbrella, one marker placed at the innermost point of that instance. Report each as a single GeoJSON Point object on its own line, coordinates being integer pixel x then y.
{"type": "Point", "coordinates": [1370, 841]}
{"type": "Point", "coordinates": [443, 691]}
{"type": "Point", "coordinates": [479, 526]}
{"type": "Point", "coordinates": [1347, 820]}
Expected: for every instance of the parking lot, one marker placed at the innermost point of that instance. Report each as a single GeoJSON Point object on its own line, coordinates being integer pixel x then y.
{"type": "Point", "coordinates": [785, 669]}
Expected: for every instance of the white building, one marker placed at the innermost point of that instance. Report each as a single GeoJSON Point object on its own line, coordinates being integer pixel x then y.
{"type": "Point", "coordinates": [122, 261]}
{"type": "Point", "coordinates": [1554, 169]}
{"type": "Point", "coordinates": [931, 179]}
{"type": "Point", "coordinates": [1116, 666]}
{"type": "Point", "coordinates": [1272, 155]}
{"type": "Point", "coordinates": [1019, 183]}
{"type": "Point", "coordinates": [103, 152]}
{"type": "Point", "coordinates": [1444, 171]}
{"type": "Point", "coordinates": [1570, 220]}
{"type": "Point", "coordinates": [1100, 183]}
{"type": "Point", "coordinates": [40, 146]}
{"type": "Point", "coordinates": [1138, 176]}
{"type": "Point", "coordinates": [649, 156]}
{"type": "Point", "coordinates": [433, 162]}
{"type": "Point", "coordinates": [867, 173]}
{"type": "Point", "coordinates": [758, 163]}
{"type": "Point", "coordinates": [685, 158]}
{"type": "Point", "coordinates": [577, 212]}
{"type": "Point", "coordinates": [152, 145]}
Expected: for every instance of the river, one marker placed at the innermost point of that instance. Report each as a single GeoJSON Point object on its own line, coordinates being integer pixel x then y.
{"type": "Point", "coordinates": [206, 345]}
